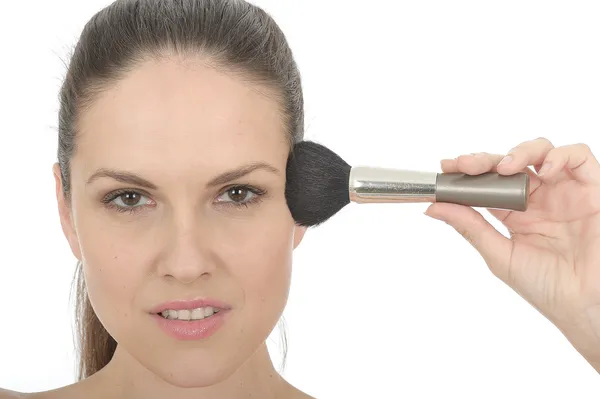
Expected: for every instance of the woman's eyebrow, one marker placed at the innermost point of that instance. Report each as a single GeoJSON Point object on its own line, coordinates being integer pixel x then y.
{"type": "Point", "coordinates": [132, 178]}
{"type": "Point", "coordinates": [241, 172]}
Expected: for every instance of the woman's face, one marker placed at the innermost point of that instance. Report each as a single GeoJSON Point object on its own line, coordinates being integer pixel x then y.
{"type": "Point", "coordinates": [173, 223]}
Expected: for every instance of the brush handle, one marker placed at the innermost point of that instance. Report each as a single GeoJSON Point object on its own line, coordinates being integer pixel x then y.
{"type": "Point", "coordinates": [487, 190]}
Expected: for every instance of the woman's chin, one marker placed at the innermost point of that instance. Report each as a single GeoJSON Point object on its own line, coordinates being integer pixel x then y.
{"type": "Point", "coordinates": [193, 377]}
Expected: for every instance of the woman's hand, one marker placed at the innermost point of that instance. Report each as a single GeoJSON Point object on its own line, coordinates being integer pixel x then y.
{"type": "Point", "coordinates": [552, 258]}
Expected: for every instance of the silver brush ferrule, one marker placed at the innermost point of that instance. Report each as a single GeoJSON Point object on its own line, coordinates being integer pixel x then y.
{"type": "Point", "coordinates": [369, 184]}
{"type": "Point", "coordinates": [487, 190]}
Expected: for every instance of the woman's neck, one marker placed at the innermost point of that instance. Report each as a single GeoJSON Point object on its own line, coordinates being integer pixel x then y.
{"type": "Point", "coordinates": [124, 378]}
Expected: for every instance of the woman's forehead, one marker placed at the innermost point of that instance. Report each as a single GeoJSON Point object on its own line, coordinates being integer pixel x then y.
{"type": "Point", "coordinates": [170, 112]}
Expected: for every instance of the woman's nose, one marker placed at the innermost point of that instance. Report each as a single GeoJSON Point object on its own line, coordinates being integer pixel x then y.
{"type": "Point", "coordinates": [188, 254]}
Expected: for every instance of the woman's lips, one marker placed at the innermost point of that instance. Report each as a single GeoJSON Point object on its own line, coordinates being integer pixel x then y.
{"type": "Point", "coordinates": [177, 317]}
{"type": "Point", "coordinates": [190, 304]}
{"type": "Point", "coordinates": [186, 330]}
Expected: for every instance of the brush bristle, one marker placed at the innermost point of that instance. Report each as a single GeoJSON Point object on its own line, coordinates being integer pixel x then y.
{"type": "Point", "coordinates": [317, 183]}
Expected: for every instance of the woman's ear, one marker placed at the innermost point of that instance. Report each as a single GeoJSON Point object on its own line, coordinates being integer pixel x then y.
{"type": "Point", "coordinates": [298, 234]}
{"type": "Point", "coordinates": [65, 214]}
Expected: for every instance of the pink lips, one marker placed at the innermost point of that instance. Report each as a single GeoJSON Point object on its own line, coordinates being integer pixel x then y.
{"type": "Point", "coordinates": [190, 304]}
{"type": "Point", "coordinates": [193, 329]}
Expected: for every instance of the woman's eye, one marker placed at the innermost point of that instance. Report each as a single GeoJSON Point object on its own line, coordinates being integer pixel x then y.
{"type": "Point", "coordinates": [128, 201]}
{"type": "Point", "coordinates": [238, 195]}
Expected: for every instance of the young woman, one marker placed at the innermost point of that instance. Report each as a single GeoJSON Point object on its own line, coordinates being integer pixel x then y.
{"type": "Point", "coordinates": [176, 122]}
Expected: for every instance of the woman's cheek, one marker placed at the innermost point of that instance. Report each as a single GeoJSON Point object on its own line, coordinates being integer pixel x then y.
{"type": "Point", "coordinates": [266, 259]}
{"type": "Point", "coordinates": [111, 279]}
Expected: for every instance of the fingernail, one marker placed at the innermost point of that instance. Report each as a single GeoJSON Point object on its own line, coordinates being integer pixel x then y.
{"type": "Point", "coordinates": [545, 168]}
{"type": "Point", "coordinates": [433, 216]}
{"type": "Point", "coordinates": [507, 159]}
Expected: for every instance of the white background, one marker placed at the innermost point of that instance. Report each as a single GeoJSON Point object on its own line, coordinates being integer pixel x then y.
{"type": "Point", "coordinates": [385, 302]}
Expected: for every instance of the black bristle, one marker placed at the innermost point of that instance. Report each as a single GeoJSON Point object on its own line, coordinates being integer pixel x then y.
{"type": "Point", "coordinates": [316, 183]}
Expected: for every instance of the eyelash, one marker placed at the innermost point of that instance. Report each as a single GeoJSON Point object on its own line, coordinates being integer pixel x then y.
{"type": "Point", "coordinates": [108, 200]}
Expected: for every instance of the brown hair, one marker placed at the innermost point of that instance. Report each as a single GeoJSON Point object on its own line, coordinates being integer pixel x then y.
{"type": "Point", "coordinates": [231, 34]}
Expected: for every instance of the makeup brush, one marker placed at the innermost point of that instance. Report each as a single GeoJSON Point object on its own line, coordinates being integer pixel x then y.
{"type": "Point", "coordinates": [320, 183]}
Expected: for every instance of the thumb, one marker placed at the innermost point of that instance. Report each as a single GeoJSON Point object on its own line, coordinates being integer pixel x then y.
{"type": "Point", "coordinates": [493, 246]}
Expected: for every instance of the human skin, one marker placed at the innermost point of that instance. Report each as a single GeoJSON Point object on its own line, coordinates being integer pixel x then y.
{"type": "Point", "coordinates": [552, 257]}
{"type": "Point", "coordinates": [178, 123]}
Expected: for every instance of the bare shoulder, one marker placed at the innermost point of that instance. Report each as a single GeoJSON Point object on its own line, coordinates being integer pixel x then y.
{"type": "Point", "coordinates": [306, 396]}
{"type": "Point", "coordinates": [303, 395]}
{"type": "Point", "coordinates": [52, 394]}
{"type": "Point", "coordinates": [6, 394]}
{"type": "Point", "coordinates": [298, 394]}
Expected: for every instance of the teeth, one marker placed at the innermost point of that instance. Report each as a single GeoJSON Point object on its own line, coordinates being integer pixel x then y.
{"type": "Point", "coordinates": [197, 314]}
{"type": "Point", "coordinates": [184, 314]}
{"type": "Point", "coordinates": [189, 314]}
